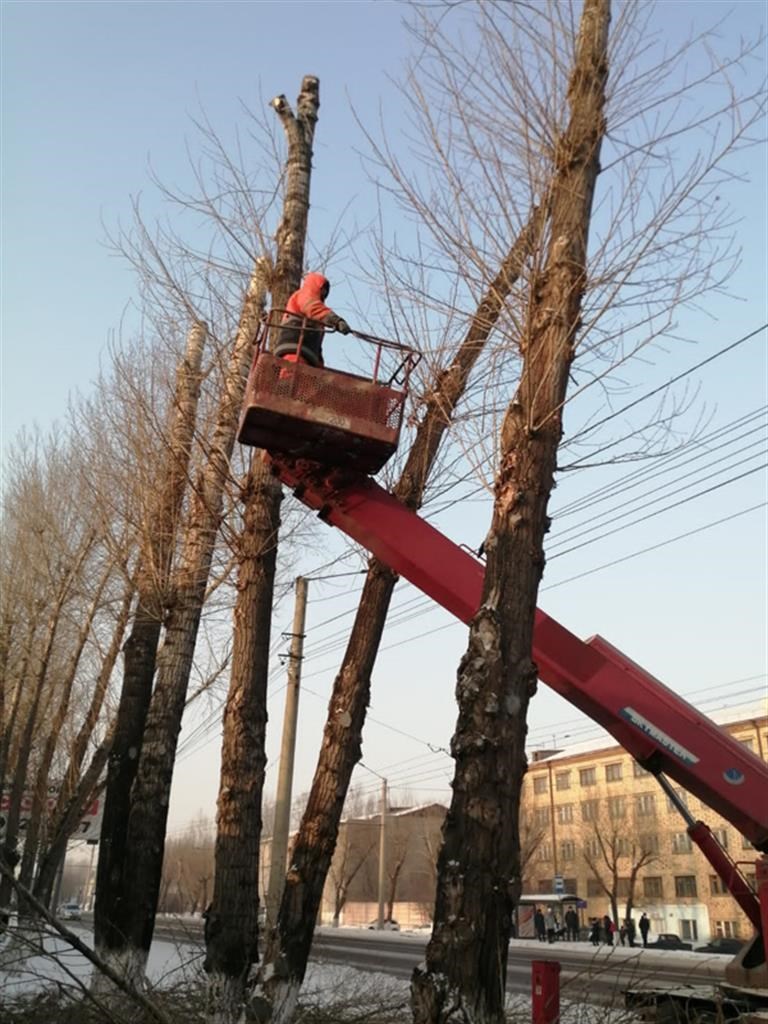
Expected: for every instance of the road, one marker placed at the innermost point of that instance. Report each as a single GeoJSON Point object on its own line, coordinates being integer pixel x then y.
{"type": "Point", "coordinates": [588, 974]}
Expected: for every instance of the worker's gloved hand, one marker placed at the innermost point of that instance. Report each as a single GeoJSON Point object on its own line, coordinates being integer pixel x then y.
{"type": "Point", "coordinates": [339, 325]}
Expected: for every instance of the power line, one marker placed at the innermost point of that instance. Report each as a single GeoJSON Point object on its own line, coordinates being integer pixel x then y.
{"type": "Point", "coordinates": [667, 508]}
{"type": "Point", "coordinates": [662, 387]}
{"type": "Point", "coordinates": [654, 547]}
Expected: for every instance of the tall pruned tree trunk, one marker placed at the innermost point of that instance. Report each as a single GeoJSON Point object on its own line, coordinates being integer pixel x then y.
{"type": "Point", "coordinates": [232, 930]}
{"type": "Point", "coordinates": [479, 875]}
{"type": "Point", "coordinates": [131, 921]}
{"type": "Point", "coordinates": [289, 945]}
{"type": "Point", "coordinates": [140, 651]}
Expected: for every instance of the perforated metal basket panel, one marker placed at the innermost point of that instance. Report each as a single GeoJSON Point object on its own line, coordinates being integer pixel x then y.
{"type": "Point", "coordinates": [319, 413]}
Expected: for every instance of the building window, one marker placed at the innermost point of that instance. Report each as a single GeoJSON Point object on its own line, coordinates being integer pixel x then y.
{"type": "Point", "coordinates": [562, 780]}
{"type": "Point", "coordinates": [751, 880]}
{"type": "Point", "coordinates": [613, 772]}
{"type": "Point", "coordinates": [652, 887]}
{"type": "Point", "coordinates": [544, 885]}
{"type": "Point", "coordinates": [570, 885]}
{"type": "Point", "coordinates": [721, 835]}
{"type": "Point", "coordinates": [727, 929]}
{"type": "Point", "coordinates": [617, 807]}
{"type": "Point", "coordinates": [592, 847]}
{"type": "Point", "coordinates": [716, 887]}
{"type": "Point", "coordinates": [590, 810]}
{"type": "Point", "coordinates": [587, 776]}
{"type": "Point", "coordinates": [649, 843]}
{"type": "Point", "coordinates": [685, 885]}
{"type": "Point", "coordinates": [541, 817]}
{"type": "Point", "coordinates": [622, 888]}
{"type": "Point", "coordinates": [594, 888]}
{"type": "Point", "coordinates": [539, 784]}
{"type": "Point", "coordinates": [681, 843]}
{"type": "Point", "coordinates": [646, 805]}
{"type": "Point", "coordinates": [544, 851]}
{"type": "Point", "coordinates": [745, 844]}
{"type": "Point", "coordinates": [567, 850]}
{"type": "Point", "coordinates": [689, 929]}
{"type": "Point", "coordinates": [565, 814]}
{"type": "Point", "coordinates": [638, 770]}
{"type": "Point", "coordinates": [623, 846]}
{"type": "Point", "coordinates": [748, 742]}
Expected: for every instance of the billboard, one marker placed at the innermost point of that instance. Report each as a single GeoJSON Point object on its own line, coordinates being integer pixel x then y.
{"type": "Point", "coordinates": [88, 827]}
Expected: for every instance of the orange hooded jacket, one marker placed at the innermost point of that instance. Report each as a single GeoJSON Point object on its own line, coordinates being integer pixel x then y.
{"type": "Point", "coordinates": [306, 302]}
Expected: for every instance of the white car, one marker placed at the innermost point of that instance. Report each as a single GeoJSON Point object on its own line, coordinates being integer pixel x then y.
{"type": "Point", "coordinates": [69, 912]}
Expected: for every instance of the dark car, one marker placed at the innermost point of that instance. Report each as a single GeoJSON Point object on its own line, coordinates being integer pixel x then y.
{"type": "Point", "coordinates": [668, 941]}
{"type": "Point", "coordinates": [721, 945]}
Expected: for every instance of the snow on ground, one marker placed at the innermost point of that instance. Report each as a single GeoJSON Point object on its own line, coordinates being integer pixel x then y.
{"type": "Point", "coordinates": [59, 966]}
{"type": "Point", "coordinates": [25, 967]}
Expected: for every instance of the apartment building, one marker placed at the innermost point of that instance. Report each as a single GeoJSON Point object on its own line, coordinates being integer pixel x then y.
{"type": "Point", "coordinates": [602, 824]}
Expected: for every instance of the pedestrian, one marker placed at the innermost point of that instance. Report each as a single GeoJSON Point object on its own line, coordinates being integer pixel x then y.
{"type": "Point", "coordinates": [608, 929]}
{"type": "Point", "coordinates": [302, 327]}
{"type": "Point", "coordinates": [645, 927]}
{"type": "Point", "coordinates": [594, 932]}
{"type": "Point", "coordinates": [623, 933]}
{"type": "Point", "coordinates": [539, 925]}
{"type": "Point", "coordinates": [631, 931]}
{"type": "Point", "coordinates": [551, 923]}
{"type": "Point", "coordinates": [572, 925]}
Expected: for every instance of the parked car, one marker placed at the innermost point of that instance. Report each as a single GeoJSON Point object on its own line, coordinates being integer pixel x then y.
{"type": "Point", "coordinates": [389, 925]}
{"type": "Point", "coordinates": [668, 941]}
{"type": "Point", "coordinates": [69, 911]}
{"type": "Point", "coordinates": [720, 945]}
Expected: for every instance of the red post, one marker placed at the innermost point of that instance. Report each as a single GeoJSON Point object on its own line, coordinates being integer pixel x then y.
{"type": "Point", "coordinates": [545, 991]}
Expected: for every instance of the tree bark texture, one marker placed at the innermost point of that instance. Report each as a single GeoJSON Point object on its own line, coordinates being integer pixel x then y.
{"type": "Point", "coordinates": [140, 651]}
{"type": "Point", "coordinates": [232, 923]}
{"type": "Point", "coordinates": [288, 947]}
{"type": "Point", "coordinates": [137, 882]}
{"type": "Point", "coordinates": [232, 935]}
{"type": "Point", "coordinates": [479, 863]}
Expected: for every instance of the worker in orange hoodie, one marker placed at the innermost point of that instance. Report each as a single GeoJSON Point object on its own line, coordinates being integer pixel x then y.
{"type": "Point", "coordinates": [303, 307]}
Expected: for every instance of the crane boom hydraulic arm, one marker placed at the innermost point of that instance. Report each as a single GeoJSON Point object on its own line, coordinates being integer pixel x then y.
{"type": "Point", "coordinates": [660, 730]}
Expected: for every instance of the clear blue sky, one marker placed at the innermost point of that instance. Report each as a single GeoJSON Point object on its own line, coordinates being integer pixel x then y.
{"type": "Point", "coordinates": [92, 92]}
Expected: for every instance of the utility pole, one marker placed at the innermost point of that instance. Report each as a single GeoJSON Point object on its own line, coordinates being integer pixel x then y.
{"type": "Point", "coordinates": [287, 753]}
{"type": "Point", "coordinates": [382, 852]}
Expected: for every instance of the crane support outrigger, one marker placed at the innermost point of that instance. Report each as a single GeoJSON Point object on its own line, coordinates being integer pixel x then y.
{"type": "Point", "coordinates": [324, 433]}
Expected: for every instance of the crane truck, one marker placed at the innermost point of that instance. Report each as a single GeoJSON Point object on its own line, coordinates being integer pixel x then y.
{"type": "Point", "coordinates": [325, 433]}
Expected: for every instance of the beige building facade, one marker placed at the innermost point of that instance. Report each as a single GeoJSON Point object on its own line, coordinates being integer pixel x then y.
{"type": "Point", "coordinates": [602, 825]}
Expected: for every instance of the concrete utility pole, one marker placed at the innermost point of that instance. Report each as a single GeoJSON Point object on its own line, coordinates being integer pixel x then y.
{"type": "Point", "coordinates": [277, 863]}
{"type": "Point", "coordinates": [382, 852]}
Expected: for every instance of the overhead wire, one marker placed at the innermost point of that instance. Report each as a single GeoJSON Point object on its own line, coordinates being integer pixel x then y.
{"type": "Point", "coordinates": [417, 606]}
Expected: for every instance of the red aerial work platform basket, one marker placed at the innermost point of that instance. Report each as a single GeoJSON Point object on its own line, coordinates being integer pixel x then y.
{"type": "Point", "coordinates": [292, 408]}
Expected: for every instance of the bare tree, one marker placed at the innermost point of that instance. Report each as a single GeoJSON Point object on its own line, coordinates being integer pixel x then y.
{"type": "Point", "coordinates": [615, 855]}
{"type": "Point", "coordinates": [479, 871]}
{"type": "Point", "coordinates": [127, 890]}
{"type": "Point", "coordinates": [349, 858]}
{"type": "Point", "coordinates": [158, 542]}
{"type": "Point", "coordinates": [232, 932]}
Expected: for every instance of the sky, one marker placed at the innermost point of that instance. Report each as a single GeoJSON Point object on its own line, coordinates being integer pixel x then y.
{"type": "Point", "coordinates": [96, 94]}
